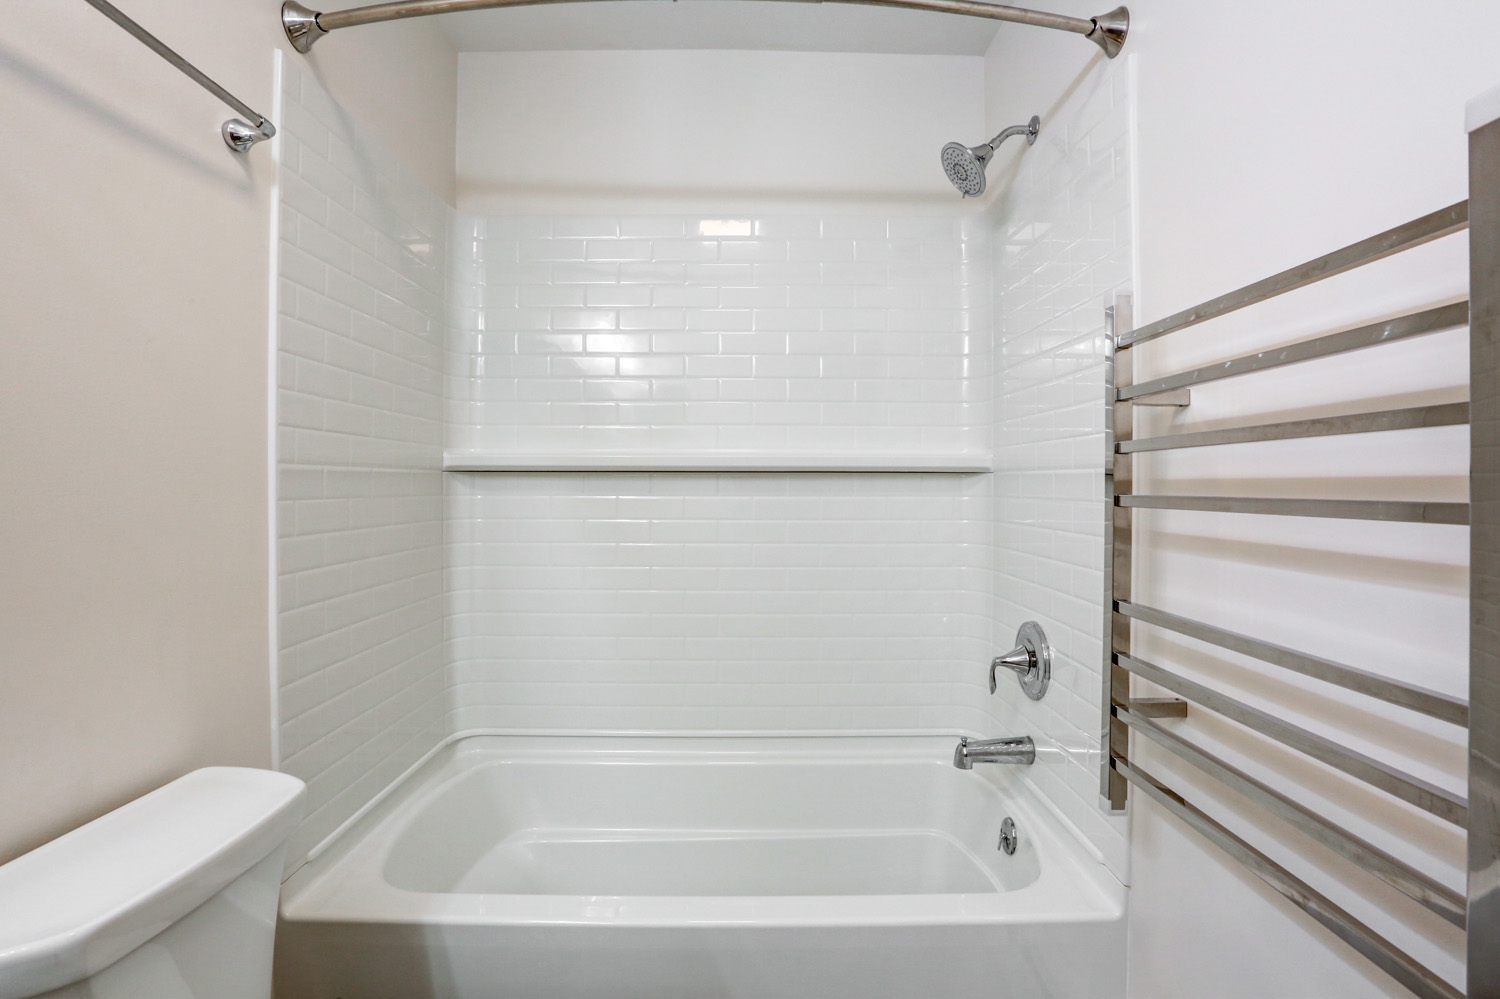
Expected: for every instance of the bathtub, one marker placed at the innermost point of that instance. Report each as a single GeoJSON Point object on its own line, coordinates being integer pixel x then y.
{"type": "Point", "coordinates": [552, 867]}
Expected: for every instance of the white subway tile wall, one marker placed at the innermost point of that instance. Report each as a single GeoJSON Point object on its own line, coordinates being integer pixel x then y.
{"type": "Point", "coordinates": [1062, 245]}
{"type": "Point", "coordinates": [707, 333]}
{"type": "Point", "coordinates": [689, 601]}
{"type": "Point", "coordinates": [359, 509]}
{"type": "Point", "coordinates": [702, 602]}
{"type": "Point", "coordinates": [709, 602]}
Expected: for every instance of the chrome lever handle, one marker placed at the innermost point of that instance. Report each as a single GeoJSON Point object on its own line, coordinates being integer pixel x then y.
{"type": "Point", "coordinates": [1018, 660]}
{"type": "Point", "coordinates": [1030, 660]}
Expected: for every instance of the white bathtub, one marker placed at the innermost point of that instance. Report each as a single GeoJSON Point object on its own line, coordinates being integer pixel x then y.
{"type": "Point", "coordinates": [543, 867]}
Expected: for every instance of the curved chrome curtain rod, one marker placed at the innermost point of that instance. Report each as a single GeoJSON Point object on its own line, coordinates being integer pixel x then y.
{"type": "Point", "coordinates": [304, 26]}
{"type": "Point", "coordinates": [238, 133]}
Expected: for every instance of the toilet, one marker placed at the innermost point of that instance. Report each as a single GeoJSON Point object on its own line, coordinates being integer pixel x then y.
{"type": "Point", "coordinates": [172, 896]}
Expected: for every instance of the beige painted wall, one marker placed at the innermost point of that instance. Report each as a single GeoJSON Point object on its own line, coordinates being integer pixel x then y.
{"type": "Point", "coordinates": [133, 384]}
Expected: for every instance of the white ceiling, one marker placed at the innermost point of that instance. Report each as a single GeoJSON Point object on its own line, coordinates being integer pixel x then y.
{"type": "Point", "coordinates": [719, 24]}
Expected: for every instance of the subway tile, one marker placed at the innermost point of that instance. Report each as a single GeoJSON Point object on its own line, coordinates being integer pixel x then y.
{"type": "Point", "coordinates": [684, 250]}
{"type": "Point", "coordinates": [719, 320]}
{"type": "Point", "coordinates": [854, 227]}
{"type": "Point", "coordinates": [651, 227]}
{"type": "Point", "coordinates": [653, 319]}
{"type": "Point", "coordinates": [593, 272]}
{"type": "Point", "coordinates": [584, 319]}
{"type": "Point", "coordinates": [660, 366]}
{"type": "Point", "coordinates": [682, 296]}
{"type": "Point", "coordinates": [536, 296]}
{"type": "Point", "coordinates": [375, 392]}
{"type": "Point", "coordinates": [789, 227]}
{"type": "Point", "coordinates": [619, 249]}
{"type": "Point", "coordinates": [655, 273]}
{"type": "Point", "coordinates": [535, 249]}
{"type": "Point", "coordinates": [617, 296]}
{"type": "Point", "coordinates": [585, 227]}
{"type": "Point", "coordinates": [752, 250]}
{"type": "Point", "coordinates": [617, 343]}
{"type": "Point", "coordinates": [820, 250]}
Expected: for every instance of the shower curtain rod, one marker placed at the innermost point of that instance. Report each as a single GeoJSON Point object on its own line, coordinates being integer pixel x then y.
{"type": "Point", "coordinates": [238, 133]}
{"type": "Point", "coordinates": [305, 26]}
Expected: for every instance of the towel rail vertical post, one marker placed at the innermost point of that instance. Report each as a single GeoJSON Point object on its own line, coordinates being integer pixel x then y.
{"type": "Point", "coordinates": [1118, 427]}
{"type": "Point", "coordinates": [1484, 563]}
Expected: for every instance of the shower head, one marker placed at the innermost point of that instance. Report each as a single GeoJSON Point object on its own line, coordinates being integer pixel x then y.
{"type": "Point", "coordinates": [965, 165]}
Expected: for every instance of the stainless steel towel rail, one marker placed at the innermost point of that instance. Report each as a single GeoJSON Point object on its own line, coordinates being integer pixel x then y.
{"type": "Point", "coordinates": [1418, 513]}
{"type": "Point", "coordinates": [1440, 223]}
{"type": "Point", "coordinates": [1415, 418]}
{"type": "Point", "coordinates": [1436, 896]}
{"type": "Point", "coordinates": [1479, 813]}
{"type": "Point", "coordinates": [238, 133]}
{"type": "Point", "coordinates": [1443, 707]}
{"type": "Point", "coordinates": [1380, 951]}
{"type": "Point", "coordinates": [1416, 324]}
{"type": "Point", "coordinates": [1427, 796]}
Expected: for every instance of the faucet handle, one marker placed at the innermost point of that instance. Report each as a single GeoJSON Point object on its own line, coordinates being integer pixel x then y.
{"type": "Point", "coordinates": [1019, 660]}
{"type": "Point", "coordinates": [1030, 660]}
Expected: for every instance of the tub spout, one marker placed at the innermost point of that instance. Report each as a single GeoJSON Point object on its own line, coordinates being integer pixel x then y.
{"type": "Point", "coordinates": [1011, 749]}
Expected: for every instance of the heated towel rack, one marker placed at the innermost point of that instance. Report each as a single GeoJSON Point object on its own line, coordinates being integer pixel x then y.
{"type": "Point", "coordinates": [1478, 912]}
{"type": "Point", "coordinates": [238, 134]}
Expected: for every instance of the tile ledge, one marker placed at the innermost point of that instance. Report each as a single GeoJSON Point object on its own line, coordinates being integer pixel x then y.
{"type": "Point", "coordinates": [956, 462]}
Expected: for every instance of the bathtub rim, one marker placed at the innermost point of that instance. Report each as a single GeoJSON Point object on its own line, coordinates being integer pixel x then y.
{"type": "Point", "coordinates": [343, 882]}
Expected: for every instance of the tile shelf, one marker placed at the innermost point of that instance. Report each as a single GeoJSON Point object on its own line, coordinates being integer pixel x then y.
{"type": "Point", "coordinates": [956, 462]}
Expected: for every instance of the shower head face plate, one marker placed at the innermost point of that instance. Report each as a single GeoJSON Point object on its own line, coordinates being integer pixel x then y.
{"type": "Point", "coordinates": [964, 170]}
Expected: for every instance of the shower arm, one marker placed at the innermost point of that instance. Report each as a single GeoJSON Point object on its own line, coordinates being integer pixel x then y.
{"type": "Point", "coordinates": [1030, 128]}
{"type": "Point", "coordinates": [305, 26]}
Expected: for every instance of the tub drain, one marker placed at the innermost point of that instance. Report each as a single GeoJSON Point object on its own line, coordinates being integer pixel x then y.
{"type": "Point", "coordinates": [1008, 836]}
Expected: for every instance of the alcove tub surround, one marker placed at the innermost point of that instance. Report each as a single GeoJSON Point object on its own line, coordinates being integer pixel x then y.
{"type": "Point", "coordinates": [704, 601]}
{"type": "Point", "coordinates": [803, 601]}
{"type": "Point", "coordinates": [696, 601]}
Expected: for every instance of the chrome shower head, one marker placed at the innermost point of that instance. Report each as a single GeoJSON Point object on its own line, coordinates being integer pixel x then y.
{"type": "Point", "coordinates": [965, 165]}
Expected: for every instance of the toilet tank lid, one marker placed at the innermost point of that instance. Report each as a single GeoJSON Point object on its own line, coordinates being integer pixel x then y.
{"type": "Point", "coordinates": [74, 906]}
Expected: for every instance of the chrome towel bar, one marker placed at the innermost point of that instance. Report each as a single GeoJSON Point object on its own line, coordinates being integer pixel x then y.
{"type": "Point", "coordinates": [239, 134]}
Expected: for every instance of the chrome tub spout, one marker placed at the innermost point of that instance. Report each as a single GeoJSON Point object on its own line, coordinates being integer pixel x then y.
{"type": "Point", "coordinates": [1011, 749]}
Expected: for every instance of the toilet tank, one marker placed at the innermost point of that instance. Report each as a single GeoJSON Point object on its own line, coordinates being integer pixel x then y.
{"type": "Point", "coordinates": [172, 896]}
